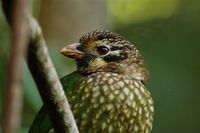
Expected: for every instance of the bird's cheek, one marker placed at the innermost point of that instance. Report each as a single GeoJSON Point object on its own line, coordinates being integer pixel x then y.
{"type": "Point", "coordinates": [98, 63]}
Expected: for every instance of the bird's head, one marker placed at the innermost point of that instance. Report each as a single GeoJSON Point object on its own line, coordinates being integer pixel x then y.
{"type": "Point", "coordinates": [106, 51]}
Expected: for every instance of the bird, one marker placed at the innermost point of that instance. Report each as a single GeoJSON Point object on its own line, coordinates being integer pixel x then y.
{"type": "Point", "coordinates": [107, 92]}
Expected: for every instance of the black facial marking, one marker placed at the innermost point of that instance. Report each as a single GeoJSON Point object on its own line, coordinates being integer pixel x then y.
{"type": "Point", "coordinates": [116, 48]}
{"type": "Point", "coordinates": [115, 58]}
{"type": "Point", "coordinates": [85, 62]}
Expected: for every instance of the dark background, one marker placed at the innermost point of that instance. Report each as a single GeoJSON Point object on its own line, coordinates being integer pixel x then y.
{"type": "Point", "coordinates": [166, 32]}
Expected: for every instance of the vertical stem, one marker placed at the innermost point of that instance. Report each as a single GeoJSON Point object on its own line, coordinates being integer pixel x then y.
{"type": "Point", "coordinates": [42, 70]}
{"type": "Point", "coordinates": [14, 92]}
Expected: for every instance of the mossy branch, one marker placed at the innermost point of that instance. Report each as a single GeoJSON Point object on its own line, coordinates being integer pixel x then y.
{"type": "Point", "coordinates": [45, 75]}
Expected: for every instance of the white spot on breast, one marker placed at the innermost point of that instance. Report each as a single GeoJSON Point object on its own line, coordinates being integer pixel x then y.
{"type": "Point", "coordinates": [111, 96]}
{"type": "Point", "coordinates": [142, 89]}
{"type": "Point", "coordinates": [95, 105]}
{"type": "Point", "coordinates": [132, 120]}
{"type": "Point", "coordinates": [84, 115]}
{"type": "Point", "coordinates": [126, 90]}
{"type": "Point", "coordinates": [110, 81]}
{"type": "Point", "coordinates": [103, 126]}
{"type": "Point", "coordinates": [89, 80]}
{"type": "Point", "coordinates": [136, 84]}
{"type": "Point", "coordinates": [150, 101]}
{"type": "Point", "coordinates": [140, 111]}
{"type": "Point", "coordinates": [105, 88]}
{"type": "Point", "coordinates": [110, 129]}
{"type": "Point", "coordinates": [121, 96]}
{"type": "Point", "coordinates": [131, 86]}
{"type": "Point", "coordinates": [131, 96]}
{"type": "Point", "coordinates": [116, 92]}
{"type": "Point", "coordinates": [121, 84]}
{"type": "Point", "coordinates": [147, 130]}
{"type": "Point", "coordinates": [94, 88]}
{"type": "Point", "coordinates": [107, 74]}
{"type": "Point", "coordinates": [109, 107]}
{"type": "Point", "coordinates": [102, 100]}
{"type": "Point", "coordinates": [136, 128]}
{"type": "Point", "coordinates": [126, 81]}
{"type": "Point", "coordinates": [83, 123]}
{"type": "Point", "coordinates": [151, 108]}
{"type": "Point", "coordinates": [114, 74]}
{"type": "Point", "coordinates": [96, 94]}
{"type": "Point", "coordinates": [134, 105]}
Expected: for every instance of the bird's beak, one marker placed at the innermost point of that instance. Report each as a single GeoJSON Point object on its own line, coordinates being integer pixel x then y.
{"type": "Point", "coordinates": [72, 52]}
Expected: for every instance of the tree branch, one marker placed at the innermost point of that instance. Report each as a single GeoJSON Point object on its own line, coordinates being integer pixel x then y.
{"type": "Point", "coordinates": [46, 78]}
{"type": "Point", "coordinates": [48, 83]}
{"type": "Point", "coordinates": [14, 92]}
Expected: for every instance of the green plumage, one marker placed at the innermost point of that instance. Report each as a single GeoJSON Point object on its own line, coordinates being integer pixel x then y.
{"type": "Point", "coordinates": [42, 123]}
{"type": "Point", "coordinates": [107, 93]}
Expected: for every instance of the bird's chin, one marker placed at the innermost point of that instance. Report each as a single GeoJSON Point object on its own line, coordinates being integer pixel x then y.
{"type": "Point", "coordinates": [72, 52]}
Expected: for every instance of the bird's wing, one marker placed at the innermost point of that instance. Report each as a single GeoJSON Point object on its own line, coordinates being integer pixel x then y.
{"type": "Point", "coordinates": [42, 123]}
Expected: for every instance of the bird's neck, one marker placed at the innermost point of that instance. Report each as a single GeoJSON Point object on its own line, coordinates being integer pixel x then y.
{"type": "Point", "coordinates": [132, 70]}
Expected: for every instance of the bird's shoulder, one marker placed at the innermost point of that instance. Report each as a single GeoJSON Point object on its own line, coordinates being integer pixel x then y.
{"type": "Point", "coordinates": [41, 123]}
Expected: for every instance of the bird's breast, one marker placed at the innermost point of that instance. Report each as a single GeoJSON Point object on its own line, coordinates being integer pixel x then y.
{"type": "Point", "coordinates": [111, 102]}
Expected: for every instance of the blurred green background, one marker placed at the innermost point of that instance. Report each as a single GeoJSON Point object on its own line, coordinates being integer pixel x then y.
{"type": "Point", "coordinates": [166, 32]}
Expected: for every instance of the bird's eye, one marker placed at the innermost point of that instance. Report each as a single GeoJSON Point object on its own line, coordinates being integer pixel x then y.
{"type": "Point", "coordinates": [102, 50]}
